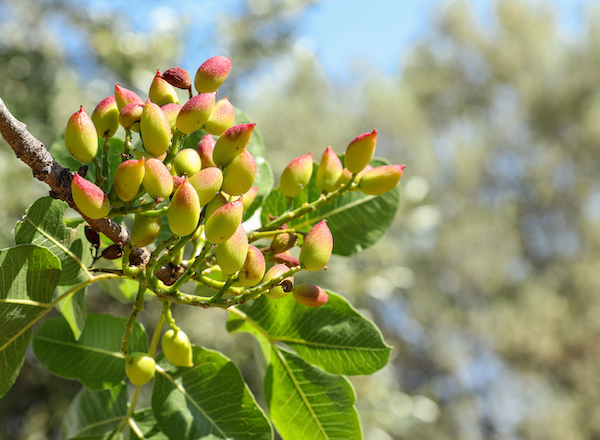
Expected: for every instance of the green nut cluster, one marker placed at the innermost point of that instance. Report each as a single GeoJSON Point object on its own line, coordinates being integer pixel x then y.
{"type": "Point", "coordinates": [187, 202]}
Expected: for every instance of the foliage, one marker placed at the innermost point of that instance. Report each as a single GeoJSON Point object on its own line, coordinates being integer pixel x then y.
{"type": "Point", "coordinates": [203, 244]}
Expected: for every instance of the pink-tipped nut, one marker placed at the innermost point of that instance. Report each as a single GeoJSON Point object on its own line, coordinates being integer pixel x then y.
{"type": "Point", "coordinates": [317, 247]}
{"type": "Point", "coordinates": [221, 118]}
{"type": "Point", "coordinates": [231, 143]}
{"type": "Point", "coordinates": [124, 96]}
{"type": "Point", "coordinates": [329, 172]}
{"type": "Point", "coordinates": [360, 152]}
{"type": "Point", "coordinates": [81, 138]}
{"type": "Point", "coordinates": [381, 179]}
{"type": "Point", "coordinates": [161, 92]}
{"type": "Point", "coordinates": [89, 198]}
{"type": "Point", "coordinates": [195, 112]}
{"type": "Point", "coordinates": [211, 74]}
{"type": "Point", "coordinates": [296, 176]}
{"type": "Point", "coordinates": [310, 295]}
{"type": "Point", "coordinates": [106, 117]}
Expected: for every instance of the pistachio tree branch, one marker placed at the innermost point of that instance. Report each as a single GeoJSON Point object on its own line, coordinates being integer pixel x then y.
{"type": "Point", "coordinates": [35, 155]}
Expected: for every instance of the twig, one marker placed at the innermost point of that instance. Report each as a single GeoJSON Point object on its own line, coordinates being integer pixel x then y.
{"type": "Point", "coordinates": [35, 155]}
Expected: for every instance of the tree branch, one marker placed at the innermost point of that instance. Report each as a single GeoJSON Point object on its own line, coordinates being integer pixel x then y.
{"type": "Point", "coordinates": [33, 152]}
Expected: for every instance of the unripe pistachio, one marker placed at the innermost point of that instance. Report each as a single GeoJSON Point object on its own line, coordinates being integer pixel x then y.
{"type": "Point", "coordinates": [316, 248]}
{"type": "Point", "coordinates": [310, 295]}
{"type": "Point", "coordinates": [360, 151]}
{"type": "Point", "coordinates": [155, 129]}
{"type": "Point", "coordinates": [172, 110]}
{"type": "Point", "coordinates": [161, 92]}
{"type": "Point", "coordinates": [284, 241]}
{"type": "Point", "coordinates": [145, 230]}
{"type": "Point", "coordinates": [253, 269]}
{"type": "Point", "coordinates": [178, 77]}
{"type": "Point", "coordinates": [157, 181]}
{"type": "Point", "coordinates": [195, 112]}
{"type": "Point", "coordinates": [221, 118]}
{"type": "Point", "coordinates": [217, 201]}
{"type": "Point", "coordinates": [211, 74]}
{"type": "Point", "coordinates": [282, 289]}
{"type": "Point", "coordinates": [187, 161]}
{"type": "Point", "coordinates": [89, 198]}
{"type": "Point", "coordinates": [231, 254]}
{"type": "Point", "coordinates": [130, 116]}
{"type": "Point", "coordinates": [249, 197]}
{"type": "Point", "coordinates": [128, 178]}
{"type": "Point", "coordinates": [140, 368]}
{"type": "Point", "coordinates": [221, 225]}
{"type": "Point", "coordinates": [184, 210]}
{"type": "Point", "coordinates": [239, 175]}
{"type": "Point", "coordinates": [177, 348]}
{"type": "Point", "coordinates": [207, 183]}
{"type": "Point", "coordinates": [124, 96]}
{"type": "Point", "coordinates": [381, 179]}
{"type": "Point", "coordinates": [205, 149]}
{"type": "Point", "coordinates": [231, 143]}
{"type": "Point", "coordinates": [81, 138]}
{"type": "Point", "coordinates": [296, 176]}
{"type": "Point", "coordinates": [329, 172]}
{"type": "Point", "coordinates": [106, 117]}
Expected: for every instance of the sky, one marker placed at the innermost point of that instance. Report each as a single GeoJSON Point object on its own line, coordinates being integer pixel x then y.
{"type": "Point", "coordinates": [343, 32]}
{"type": "Point", "coordinates": [347, 36]}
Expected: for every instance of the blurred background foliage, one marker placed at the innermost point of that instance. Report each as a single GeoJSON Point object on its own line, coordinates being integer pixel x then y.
{"type": "Point", "coordinates": [487, 285]}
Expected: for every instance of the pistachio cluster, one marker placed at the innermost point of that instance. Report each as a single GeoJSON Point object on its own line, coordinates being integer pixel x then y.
{"type": "Point", "coordinates": [203, 192]}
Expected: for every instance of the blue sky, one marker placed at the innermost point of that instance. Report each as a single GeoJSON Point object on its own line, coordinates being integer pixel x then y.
{"type": "Point", "coordinates": [343, 32]}
{"type": "Point", "coordinates": [345, 35]}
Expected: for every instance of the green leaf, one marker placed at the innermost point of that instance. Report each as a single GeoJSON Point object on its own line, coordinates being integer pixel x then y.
{"type": "Point", "coordinates": [73, 308]}
{"type": "Point", "coordinates": [334, 336]}
{"type": "Point", "coordinates": [28, 277]}
{"type": "Point", "coordinates": [94, 415]}
{"type": "Point", "coordinates": [356, 220]}
{"type": "Point", "coordinates": [207, 401]}
{"type": "Point", "coordinates": [124, 290]}
{"type": "Point", "coordinates": [95, 359]}
{"type": "Point", "coordinates": [145, 427]}
{"type": "Point", "coordinates": [304, 402]}
{"type": "Point", "coordinates": [43, 225]}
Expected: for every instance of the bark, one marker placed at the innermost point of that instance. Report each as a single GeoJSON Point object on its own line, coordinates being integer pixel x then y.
{"type": "Point", "coordinates": [33, 152]}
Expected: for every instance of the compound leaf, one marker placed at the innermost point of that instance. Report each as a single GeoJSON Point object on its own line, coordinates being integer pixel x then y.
{"type": "Point", "coordinates": [334, 336]}
{"type": "Point", "coordinates": [28, 276]}
{"type": "Point", "coordinates": [207, 401]}
{"type": "Point", "coordinates": [306, 402]}
{"type": "Point", "coordinates": [94, 415]}
{"type": "Point", "coordinates": [95, 359]}
{"type": "Point", "coordinates": [43, 225]}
